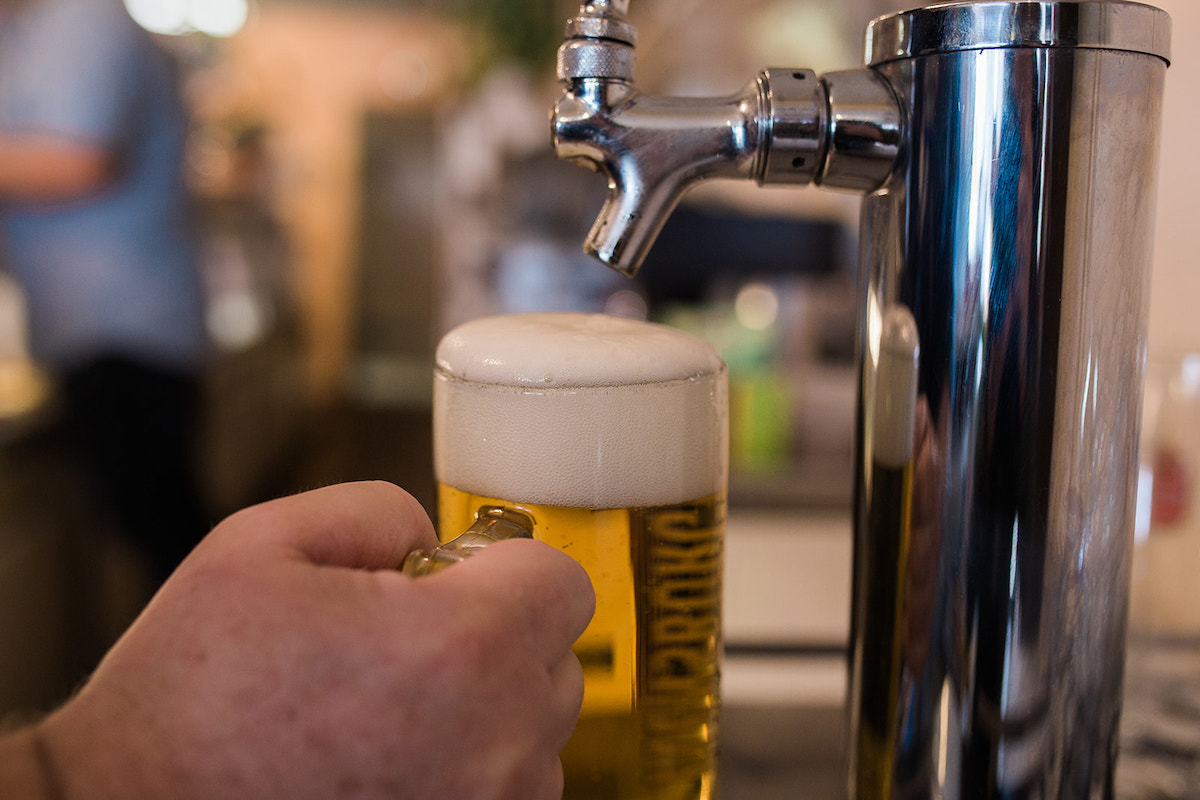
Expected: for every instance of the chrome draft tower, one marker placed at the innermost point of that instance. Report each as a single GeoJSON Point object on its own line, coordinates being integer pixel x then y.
{"type": "Point", "coordinates": [1007, 154]}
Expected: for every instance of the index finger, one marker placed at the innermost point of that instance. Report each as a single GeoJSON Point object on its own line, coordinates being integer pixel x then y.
{"type": "Point", "coordinates": [537, 587]}
{"type": "Point", "coordinates": [363, 525]}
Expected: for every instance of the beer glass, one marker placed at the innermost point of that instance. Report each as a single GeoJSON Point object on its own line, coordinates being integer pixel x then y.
{"type": "Point", "coordinates": [608, 437]}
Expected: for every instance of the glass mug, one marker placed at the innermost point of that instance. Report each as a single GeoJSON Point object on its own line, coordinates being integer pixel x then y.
{"type": "Point", "coordinates": [607, 438]}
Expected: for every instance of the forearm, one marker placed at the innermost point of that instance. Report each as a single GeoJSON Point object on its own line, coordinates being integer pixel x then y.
{"type": "Point", "coordinates": [46, 168]}
{"type": "Point", "coordinates": [25, 769]}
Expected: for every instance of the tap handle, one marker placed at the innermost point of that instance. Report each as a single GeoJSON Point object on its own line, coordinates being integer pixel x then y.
{"type": "Point", "coordinates": [492, 524]}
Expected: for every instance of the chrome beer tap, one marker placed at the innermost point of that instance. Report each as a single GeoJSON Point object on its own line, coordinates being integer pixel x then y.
{"type": "Point", "coordinates": [1007, 155]}
{"type": "Point", "coordinates": [787, 127]}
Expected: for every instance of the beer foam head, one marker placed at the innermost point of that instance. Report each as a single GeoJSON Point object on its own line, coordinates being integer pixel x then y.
{"type": "Point", "coordinates": [581, 410]}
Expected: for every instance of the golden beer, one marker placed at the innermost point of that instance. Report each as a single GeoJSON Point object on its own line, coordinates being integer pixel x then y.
{"type": "Point", "coordinates": [611, 435]}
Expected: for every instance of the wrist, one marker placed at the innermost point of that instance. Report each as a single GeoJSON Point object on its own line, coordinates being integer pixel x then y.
{"type": "Point", "coordinates": [26, 769]}
{"type": "Point", "coordinates": [86, 754]}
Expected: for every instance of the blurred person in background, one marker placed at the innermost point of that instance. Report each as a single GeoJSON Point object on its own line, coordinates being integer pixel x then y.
{"type": "Point", "coordinates": [94, 225]}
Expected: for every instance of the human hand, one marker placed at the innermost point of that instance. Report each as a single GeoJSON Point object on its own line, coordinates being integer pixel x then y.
{"type": "Point", "coordinates": [288, 658]}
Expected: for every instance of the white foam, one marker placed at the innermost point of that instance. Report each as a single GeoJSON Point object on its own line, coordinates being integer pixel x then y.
{"type": "Point", "coordinates": [579, 410]}
{"type": "Point", "coordinates": [572, 350]}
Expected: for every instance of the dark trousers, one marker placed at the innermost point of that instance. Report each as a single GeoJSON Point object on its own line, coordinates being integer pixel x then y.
{"type": "Point", "coordinates": [136, 425]}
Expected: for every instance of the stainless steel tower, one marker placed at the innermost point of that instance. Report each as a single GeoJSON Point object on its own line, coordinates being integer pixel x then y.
{"type": "Point", "coordinates": [1007, 152]}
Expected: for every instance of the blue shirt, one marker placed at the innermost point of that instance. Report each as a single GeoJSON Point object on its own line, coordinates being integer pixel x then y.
{"type": "Point", "coordinates": [114, 272]}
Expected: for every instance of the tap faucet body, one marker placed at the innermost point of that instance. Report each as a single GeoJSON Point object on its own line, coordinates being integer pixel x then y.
{"type": "Point", "coordinates": [787, 126]}
{"type": "Point", "coordinates": [1007, 152]}
{"type": "Point", "coordinates": [615, 128]}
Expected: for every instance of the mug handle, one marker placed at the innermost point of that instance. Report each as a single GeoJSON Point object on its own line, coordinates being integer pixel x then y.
{"type": "Point", "coordinates": [492, 524]}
